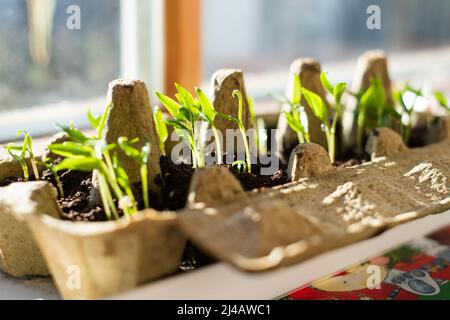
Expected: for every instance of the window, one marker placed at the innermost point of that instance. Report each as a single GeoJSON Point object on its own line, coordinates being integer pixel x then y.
{"type": "Point", "coordinates": [263, 37]}
{"type": "Point", "coordinates": [162, 41]}
{"type": "Point", "coordinates": [51, 74]}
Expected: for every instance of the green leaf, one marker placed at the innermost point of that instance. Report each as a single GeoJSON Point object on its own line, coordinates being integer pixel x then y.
{"type": "Point", "coordinates": [206, 106]}
{"type": "Point", "coordinates": [102, 123]}
{"type": "Point", "coordinates": [27, 142]}
{"type": "Point", "coordinates": [317, 105]}
{"type": "Point", "coordinates": [70, 149]}
{"type": "Point", "coordinates": [326, 83]}
{"type": "Point", "coordinates": [94, 120]}
{"type": "Point", "coordinates": [373, 103]}
{"type": "Point", "coordinates": [228, 117]}
{"type": "Point", "coordinates": [186, 97]}
{"type": "Point", "coordinates": [74, 134]}
{"type": "Point", "coordinates": [375, 96]}
{"type": "Point", "coordinates": [186, 115]}
{"type": "Point", "coordinates": [293, 123]}
{"type": "Point", "coordinates": [121, 174]}
{"type": "Point", "coordinates": [442, 99]}
{"type": "Point", "coordinates": [161, 127]}
{"type": "Point", "coordinates": [417, 92]}
{"type": "Point", "coordinates": [11, 148]}
{"type": "Point", "coordinates": [171, 105]}
{"type": "Point", "coordinates": [296, 90]}
{"type": "Point", "coordinates": [128, 149]}
{"type": "Point", "coordinates": [339, 91]}
{"type": "Point", "coordinates": [177, 124]}
{"type": "Point", "coordinates": [86, 164]}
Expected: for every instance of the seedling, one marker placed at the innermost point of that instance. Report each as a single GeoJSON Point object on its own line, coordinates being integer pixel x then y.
{"type": "Point", "coordinates": [442, 100]}
{"type": "Point", "coordinates": [371, 110]}
{"type": "Point", "coordinates": [209, 114]}
{"type": "Point", "coordinates": [92, 154]}
{"type": "Point", "coordinates": [98, 122]}
{"type": "Point", "coordinates": [294, 112]}
{"type": "Point", "coordinates": [161, 128]}
{"type": "Point", "coordinates": [185, 113]}
{"type": "Point", "coordinates": [320, 110]}
{"type": "Point", "coordinates": [19, 153]}
{"type": "Point", "coordinates": [124, 181]}
{"type": "Point", "coordinates": [141, 157]}
{"type": "Point", "coordinates": [239, 121]}
{"type": "Point", "coordinates": [407, 108]}
{"type": "Point", "coordinates": [50, 166]}
{"type": "Point", "coordinates": [337, 92]}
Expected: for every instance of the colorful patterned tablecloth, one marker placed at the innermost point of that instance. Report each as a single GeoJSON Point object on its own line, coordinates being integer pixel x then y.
{"type": "Point", "coordinates": [417, 270]}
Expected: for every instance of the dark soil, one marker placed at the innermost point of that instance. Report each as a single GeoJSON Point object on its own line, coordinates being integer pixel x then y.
{"type": "Point", "coordinates": [177, 178]}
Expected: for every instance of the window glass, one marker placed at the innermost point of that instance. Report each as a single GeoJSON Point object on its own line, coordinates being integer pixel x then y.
{"type": "Point", "coordinates": [45, 62]}
{"type": "Point", "coordinates": [262, 36]}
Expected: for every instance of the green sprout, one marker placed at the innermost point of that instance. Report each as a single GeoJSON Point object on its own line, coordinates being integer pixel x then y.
{"type": "Point", "coordinates": [239, 121]}
{"type": "Point", "coordinates": [98, 122]}
{"type": "Point", "coordinates": [320, 110]}
{"type": "Point", "coordinates": [141, 157]}
{"type": "Point", "coordinates": [209, 114]}
{"type": "Point", "coordinates": [93, 154]}
{"type": "Point", "coordinates": [161, 128]}
{"type": "Point", "coordinates": [47, 164]}
{"type": "Point", "coordinates": [124, 181]}
{"type": "Point", "coordinates": [407, 108]}
{"type": "Point", "coordinates": [337, 92]}
{"type": "Point", "coordinates": [240, 166]}
{"type": "Point", "coordinates": [371, 110]}
{"type": "Point", "coordinates": [185, 113]}
{"type": "Point", "coordinates": [294, 112]}
{"type": "Point", "coordinates": [442, 100]}
{"type": "Point", "coordinates": [19, 153]}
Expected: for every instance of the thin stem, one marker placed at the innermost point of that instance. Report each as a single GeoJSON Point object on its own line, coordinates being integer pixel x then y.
{"type": "Point", "coordinates": [35, 169]}
{"type": "Point", "coordinates": [360, 131]}
{"type": "Point", "coordinates": [218, 144]}
{"type": "Point", "coordinates": [58, 183]}
{"type": "Point", "coordinates": [307, 137]}
{"type": "Point", "coordinates": [330, 144]}
{"type": "Point", "coordinates": [110, 200]}
{"type": "Point", "coordinates": [26, 174]}
{"type": "Point", "coordinates": [102, 187]}
{"type": "Point", "coordinates": [111, 178]}
{"type": "Point", "coordinates": [301, 138]}
{"type": "Point", "coordinates": [247, 149]}
{"type": "Point", "coordinates": [333, 139]}
{"type": "Point", "coordinates": [144, 174]}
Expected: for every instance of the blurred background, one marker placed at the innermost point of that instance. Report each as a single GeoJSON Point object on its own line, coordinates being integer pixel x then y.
{"type": "Point", "coordinates": [51, 73]}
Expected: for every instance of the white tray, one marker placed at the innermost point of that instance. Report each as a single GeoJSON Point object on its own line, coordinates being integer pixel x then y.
{"type": "Point", "coordinates": [222, 281]}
